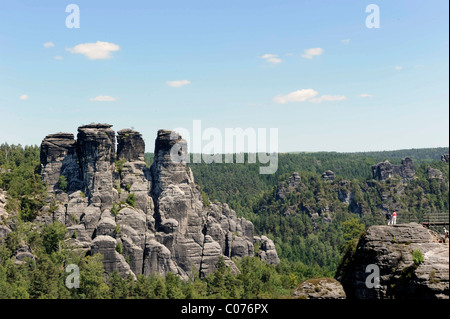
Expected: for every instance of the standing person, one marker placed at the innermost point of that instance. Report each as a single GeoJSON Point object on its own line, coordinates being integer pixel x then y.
{"type": "Point", "coordinates": [388, 217]}
{"type": "Point", "coordinates": [394, 217]}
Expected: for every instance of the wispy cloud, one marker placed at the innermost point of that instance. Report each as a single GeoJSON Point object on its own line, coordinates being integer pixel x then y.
{"type": "Point", "coordinates": [178, 83]}
{"type": "Point", "coordinates": [104, 98]}
{"type": "Point", "coordinates": [95, 51]}
{"type": "Point", "coordinates": [398, 68]}
{"type": "Point", "coordinates": [364, 95]}
{"type": "Point", "coordinates": [328, 98]}
{"type": "Point", "coordinates": [296, 96]}
{"type": "Point", "coordinates": [272, 58]}
{"type": "Point", "coordinates": [307, 95]}
{"type": "Point", "coordinates": [310, 53]}
{"type": "Point", "coordinates": [345, 41]}
{"type": "Point", "coordinates": [49, 44]}
{"type": "Point", "coordinates": [58, 57]}
{"type": "Point", "coordinates": [24, 97]}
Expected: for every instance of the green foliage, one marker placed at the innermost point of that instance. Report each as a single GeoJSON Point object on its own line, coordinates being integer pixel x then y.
{"type": "Point", "coordinates": [19, 176]}
{"type": "Point", "coordinates": [417, 257]}
{"type": "Point", "coordinates": [119, 165]}
{"type": "Point", "coordinates": [115, 209]}
{"type": "Point", "coordinates": [52, 235]}
{"type": "Point", "coordinates": [131, 200]}
{"type": "Point", "coordinates": [62, 183]}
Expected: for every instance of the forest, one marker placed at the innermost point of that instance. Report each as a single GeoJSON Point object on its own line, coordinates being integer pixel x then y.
{"type": "Point", "coordinates": [313, 224]}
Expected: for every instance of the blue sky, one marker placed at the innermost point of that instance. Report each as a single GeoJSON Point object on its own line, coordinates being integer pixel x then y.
{"type": "Point", "coordinates": [312, 69]}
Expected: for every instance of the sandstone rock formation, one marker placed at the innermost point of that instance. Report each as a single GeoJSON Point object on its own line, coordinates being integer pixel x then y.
{"type": "Point", "coordinates": [3, 212]}
{"type": "Point", "coordinates": [142, 220]}
{"type": "Point", "coordinates": [328, 175]}
{"type": "Point", "coordinates": [401, 275]}
{"type": "Point", "coordinates": [444, 158]}
{"type": "Point", "coordinates": [321, 288]}
{"type": "Point", "coordinates": [385, 170]}
{"type": "Point", "coordinates": [291, 184]}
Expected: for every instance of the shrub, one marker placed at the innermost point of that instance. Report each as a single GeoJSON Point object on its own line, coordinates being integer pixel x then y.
{"type": "Point", "coordinates": [417, 257]}
{"type": "Point", "coordinates": [62, 183]}
{"type": "Point", "coordinates": [131, 200]}
{"type": "Point", "coordinates": [115, 209]}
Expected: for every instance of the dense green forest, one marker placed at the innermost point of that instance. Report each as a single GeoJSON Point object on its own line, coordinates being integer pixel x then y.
{"type": "Point", "coordinates": [312, 224]}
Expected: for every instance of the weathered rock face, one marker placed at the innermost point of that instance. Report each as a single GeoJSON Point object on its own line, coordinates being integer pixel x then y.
{"type": "Point", "coordinates": [444, 158]}
{"type": "Point", "coordinates": [390, 248]}
{"type": "Point", "coordinates": [130, 145]}
{"type": "Point", "coordinates": [322, 288]}
{"type": "Point", "coordinates": [97, 147]}
{"type": "Point", "coordinates": [142, 220]}
{"type": "Point", "coordinates": [385, 170]}
{"type": "Point", "coordinates": [59, 158]}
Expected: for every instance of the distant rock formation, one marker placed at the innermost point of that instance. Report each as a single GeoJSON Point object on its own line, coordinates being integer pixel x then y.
{"type": "Point", "coordinates": [142, 220]}
{"type": "Point", "coordinates": [444, 158]}
{"type": "Point", "coordinates": [328, 175]}
{"type": "Point", "coordinates": [391, 249]}
{"type": "Point", "coordinates": [285, 188]}
{"type": "Point", "coordinates": [434, 173]}
{"type": "Point", "coordinates": [385, 170]}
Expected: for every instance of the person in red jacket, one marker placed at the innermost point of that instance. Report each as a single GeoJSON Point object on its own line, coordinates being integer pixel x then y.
{"type": "Point", "coordinates": [394, 217]}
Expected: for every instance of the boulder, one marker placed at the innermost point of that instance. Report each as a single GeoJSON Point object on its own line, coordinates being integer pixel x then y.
{"type": "Point", "coordinates": [112, 260]}
{"type": "Point", "coordinates": [320, 288]}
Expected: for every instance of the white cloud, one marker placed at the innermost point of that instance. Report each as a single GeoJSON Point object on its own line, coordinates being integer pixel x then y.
{"type": "Point", "coordinates": [329, 98]}
{"type": "Point", "coordinates": [178, 84]}
{"type": "Point", "coordinates": [104, 98]}
{"type": "Point", "coordinates": [365, 95]}
{"type": "Point", "coordinates": [57, 57]}
{"type": "Point", "coordinates": [310, 53]}
{"type": "Point", "coordinates": [95, 51]}
{"type": "Point", "coordinates": [398, 67]}
{"type": "Point", "coordinates": [24, 97]}
{"type": "Point", "coordinates": [272, 58]}
{"type": "Point", "coordinates": [49, 44]}
{"type": "Point", "coordinates": [345, 41]}
{"type": "Point", "coordinates": [296, 96]}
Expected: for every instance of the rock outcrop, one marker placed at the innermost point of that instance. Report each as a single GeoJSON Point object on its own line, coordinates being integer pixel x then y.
{"type": "Point", "coordinates": [384, 170]}
{"type": "Point", "coordinates": [142, 220]}
{"type": "Point", "coordinates": [59, 158]}
{"type": "Point", "coordinates": [3, 212]}
{"type": "Point", "coordinates": [321, 288]}
{"type": "Point", "coordinates": [409, 258]}
{"type": "Point", "coordinates": [328, 175]}
{"type": "Point", "coordinates": [285, 188]}
{"type": "Point", "coordinates": [444, 158]}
